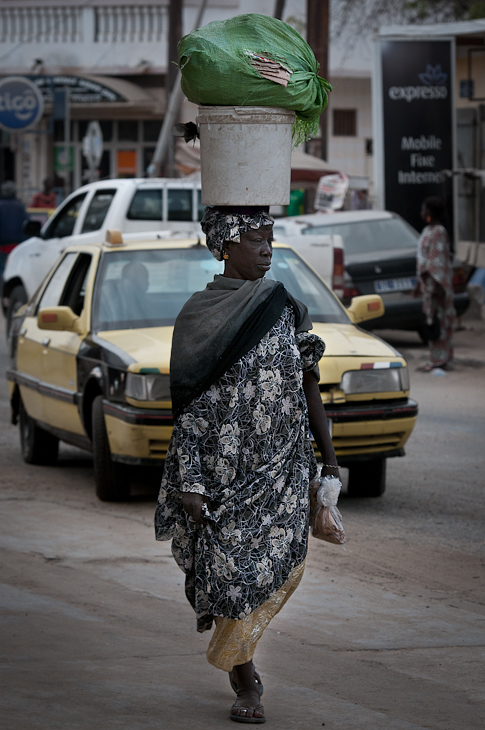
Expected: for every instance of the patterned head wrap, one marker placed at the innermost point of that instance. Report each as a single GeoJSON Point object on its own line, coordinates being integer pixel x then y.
{"type": "Point", "coordinates": [221, 225]}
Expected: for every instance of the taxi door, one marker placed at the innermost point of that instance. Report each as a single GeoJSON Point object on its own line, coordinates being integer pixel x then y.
{"type": "Point", "coordinates": [60, 350]}
{"type": "Point", "coordinates": [32, 342]}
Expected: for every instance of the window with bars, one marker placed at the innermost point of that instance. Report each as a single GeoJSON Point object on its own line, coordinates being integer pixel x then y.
{"type": "Point", "coordinates": [345, 122]}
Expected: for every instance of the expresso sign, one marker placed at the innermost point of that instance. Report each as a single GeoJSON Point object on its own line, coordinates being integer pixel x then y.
{"type": "Point", "coordinates": [417, 122]}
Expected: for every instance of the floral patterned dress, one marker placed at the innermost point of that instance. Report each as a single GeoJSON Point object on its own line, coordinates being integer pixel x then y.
{"type": "Point", "coordinates": [244, 444]}
{"type": "Point", "coordinates": [434, 259]}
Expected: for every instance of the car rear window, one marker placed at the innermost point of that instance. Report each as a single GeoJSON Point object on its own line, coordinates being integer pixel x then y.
{"type": "Point", "coordinates": [146, 206]}
{"type": "Point", "coordinates": [148, 288]}
{"type": "Point", "coordinates": [368, 236]}
{"type": "Point", "coordinates": [98, 208]}
{"type": "Point", "coordinates": [179, 204]}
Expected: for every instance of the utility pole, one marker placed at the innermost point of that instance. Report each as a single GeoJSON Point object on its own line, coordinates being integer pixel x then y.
{"type": "Point", "coordinates": [318, 17]}
{"type": "Point", "coordinates": [174, 35]}
{"type": "Point", "coordinates": [174, 101]}
{"type": "Point", "coordinates": [279, 8]}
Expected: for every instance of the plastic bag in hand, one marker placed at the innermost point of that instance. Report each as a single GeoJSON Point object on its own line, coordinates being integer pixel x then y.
{"type": "Point", "coordinates": [325, 518]}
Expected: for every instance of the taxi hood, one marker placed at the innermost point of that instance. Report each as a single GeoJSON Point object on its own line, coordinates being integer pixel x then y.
{"type": "Point", "coordinates": [149, 347]}
{"type": "Point", "coordinates": [343, 340]}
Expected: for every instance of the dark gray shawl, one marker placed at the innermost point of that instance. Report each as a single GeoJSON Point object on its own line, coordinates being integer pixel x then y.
{"type": "Point", "coordinates": [219, 325]}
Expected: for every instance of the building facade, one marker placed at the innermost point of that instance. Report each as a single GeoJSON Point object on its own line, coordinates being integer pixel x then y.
{"type": "Point", "coordinates": [103, 61]}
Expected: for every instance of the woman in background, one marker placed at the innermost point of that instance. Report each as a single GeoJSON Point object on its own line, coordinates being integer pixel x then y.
{"type": "Point", "coordinates": [435, 273]}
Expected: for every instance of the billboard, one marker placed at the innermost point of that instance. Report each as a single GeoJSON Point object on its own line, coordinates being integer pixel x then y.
{"type": "Point", "coordinates": [417, 125]}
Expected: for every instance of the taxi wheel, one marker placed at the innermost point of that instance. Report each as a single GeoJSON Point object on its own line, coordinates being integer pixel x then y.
{"type": "Point", "coordinates": [38, 446]}
{"type": "Point", "coordinates": [111, 478]}
{"type": "Point", "coordinates": [367, 478]}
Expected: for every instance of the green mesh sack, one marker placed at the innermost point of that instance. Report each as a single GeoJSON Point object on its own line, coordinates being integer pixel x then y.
{"type": "Point", "coordinates": [254, 60]}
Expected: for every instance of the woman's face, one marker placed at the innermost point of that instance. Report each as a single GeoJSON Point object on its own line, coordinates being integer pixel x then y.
{"type": "Point", "coordinates": [251, 258]}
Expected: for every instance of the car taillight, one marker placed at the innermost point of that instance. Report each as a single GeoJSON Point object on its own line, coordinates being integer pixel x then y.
{"type": "Point", "coordinates": [459, 280]}
{"type": "Point", "coordinates": [338, 272]}
{"type": "Point", "coordinates": [349, 293]}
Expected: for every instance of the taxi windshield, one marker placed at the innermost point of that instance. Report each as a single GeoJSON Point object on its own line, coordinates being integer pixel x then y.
{"type": "Point", "coordinates": [148, 287]}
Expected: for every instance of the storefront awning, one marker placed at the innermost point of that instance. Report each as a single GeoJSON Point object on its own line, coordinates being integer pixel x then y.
{"type": "Point", "coordinates": [104, 96]}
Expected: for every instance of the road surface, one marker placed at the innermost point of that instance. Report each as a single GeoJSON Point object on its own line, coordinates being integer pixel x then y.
{"type": "Point", "coordinates": [388, 634]}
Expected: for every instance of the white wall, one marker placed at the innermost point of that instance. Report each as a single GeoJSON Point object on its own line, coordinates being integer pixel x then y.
{"type": "Point", "coordinates": [349, 153]}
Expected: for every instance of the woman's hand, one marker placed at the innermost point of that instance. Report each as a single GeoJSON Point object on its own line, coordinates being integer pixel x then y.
{"type": "Point", "coordinates": [318, 424]}
{"type": "Point", "coordinates": [192, 503]}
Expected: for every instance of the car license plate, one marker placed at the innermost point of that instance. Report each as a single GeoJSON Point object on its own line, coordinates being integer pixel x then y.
{"type": "Point", "coordinates": [387, 285]}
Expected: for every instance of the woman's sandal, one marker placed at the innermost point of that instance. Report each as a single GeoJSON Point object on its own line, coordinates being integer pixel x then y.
{"type": "Point", "coordinates": [242, 718]}
{"type": "Point", "coordinates": [257, 679]}
{"type": "Point", "coordinates": [427, 368]}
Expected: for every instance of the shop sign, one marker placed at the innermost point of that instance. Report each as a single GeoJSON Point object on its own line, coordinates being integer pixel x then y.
{"type": "Point", "coordinates": [81, 91]}
{"type": "Point", "coordinates": [417, 99]}
{"type": "Point", "coordinates": [331, 192]}
{"type": "Point", "coordinates": [63, 159]}
{"type": "Point", "coordinates": [126, 163]}
{"type": "Point", "coordinates": [21, 104]}
{"type": "Point", "coordinates": [93, 144]}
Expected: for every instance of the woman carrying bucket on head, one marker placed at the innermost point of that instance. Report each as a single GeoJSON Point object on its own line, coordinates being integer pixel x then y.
{"type": "Point", "coordinates": [234, 497]}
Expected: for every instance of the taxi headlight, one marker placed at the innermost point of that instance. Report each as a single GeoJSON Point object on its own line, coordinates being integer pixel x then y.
{"type": "Point", "coordinates": [378, 380]}
{"type": "Point", "coordinates": [147, 387]}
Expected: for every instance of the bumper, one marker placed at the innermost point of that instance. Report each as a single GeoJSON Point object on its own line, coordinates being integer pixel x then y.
{"type": "Point", "coordinates": [137, 436]}
{"type": "Point", "coordinates": [360, 431]}
{"type": "Point", "coordinates": [407, 313]}
{"type": "Point", "coordinates": [371, 431]}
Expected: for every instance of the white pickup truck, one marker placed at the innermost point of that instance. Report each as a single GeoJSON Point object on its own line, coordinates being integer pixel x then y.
{"type": "Point", "coordinates": [132, 205]}
{"type": "Point", "coordinates": [325, 252]}
{"type": "Point", "coordinates": [136, 206]}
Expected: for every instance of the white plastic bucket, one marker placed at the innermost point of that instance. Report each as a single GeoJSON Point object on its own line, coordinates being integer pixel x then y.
{"type": "Point", "coordinates": [245, 154]}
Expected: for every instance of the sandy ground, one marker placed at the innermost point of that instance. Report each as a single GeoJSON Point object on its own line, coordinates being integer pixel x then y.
{"type": "Point", "coordinates": [386, 635]}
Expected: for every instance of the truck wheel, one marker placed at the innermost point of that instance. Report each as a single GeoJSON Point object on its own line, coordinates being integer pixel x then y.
{"type": "Point", "coordinates": [37, 446]}
{"type": "Point", "coordinates": [367, 478]}
{"type": "Point", "coordinates": [111, 478]}
{"type": "Point", "coordinates": [18, 297]}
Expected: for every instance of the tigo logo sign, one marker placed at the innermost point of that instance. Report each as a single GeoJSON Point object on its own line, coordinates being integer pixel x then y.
{"type": "Point", "coordinates": [21, 104]}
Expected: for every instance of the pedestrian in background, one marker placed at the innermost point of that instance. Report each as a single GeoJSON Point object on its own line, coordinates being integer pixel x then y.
{"type": "Point", "coordinates": [435, 274]}
{"type": "Point", "coordinates": [234, 497]}
{"type": "Point", "coordinates": [47, 198]}
{"type": "Point", "coordinates": [12, 218]}
{"type": "Point", "coordinates": [359, 200]}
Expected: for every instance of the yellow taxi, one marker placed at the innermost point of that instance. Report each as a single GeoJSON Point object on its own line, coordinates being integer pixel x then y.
{"type": "Point", "coordinates": [90, 355]}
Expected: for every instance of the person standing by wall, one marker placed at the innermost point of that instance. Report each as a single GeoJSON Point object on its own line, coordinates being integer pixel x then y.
{"type": "Point", "coordinates": [435, 274]}
{"type": "Point", "coordinates": [12, 218]}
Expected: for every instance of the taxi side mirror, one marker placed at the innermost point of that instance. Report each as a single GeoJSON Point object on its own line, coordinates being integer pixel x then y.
{"type": "Point", "coordinates": [366, 307]}
{"type": "Point", "coordinates": [57, 318]}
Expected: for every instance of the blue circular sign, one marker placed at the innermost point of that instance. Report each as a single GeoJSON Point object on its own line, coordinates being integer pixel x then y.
{"type": "Point", "coordinates": [21, 104]}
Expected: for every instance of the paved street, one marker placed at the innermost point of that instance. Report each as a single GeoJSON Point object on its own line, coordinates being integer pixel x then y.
{"type": "Point", "coordinates": [388, 634]}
